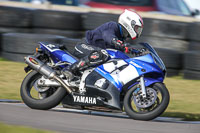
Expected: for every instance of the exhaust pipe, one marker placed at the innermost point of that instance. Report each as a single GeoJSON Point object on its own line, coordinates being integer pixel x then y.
{"type": "Point", "coordinates": [45, 70]}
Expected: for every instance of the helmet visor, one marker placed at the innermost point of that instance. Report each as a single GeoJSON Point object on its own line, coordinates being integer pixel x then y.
{"type": "Point", "coordinates": [138, 30]}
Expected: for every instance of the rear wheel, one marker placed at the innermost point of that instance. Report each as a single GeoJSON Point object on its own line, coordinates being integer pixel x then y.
{"type": "Point", "coordinates": [47, 99]}
{"type": "Point", "coordinates": [148, 108]}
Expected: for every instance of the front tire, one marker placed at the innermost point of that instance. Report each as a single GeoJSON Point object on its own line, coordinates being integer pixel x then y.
{"type": "Point", "coordinates": [42, 104]}
{"type": "Point", "coordinates": [151, 112]}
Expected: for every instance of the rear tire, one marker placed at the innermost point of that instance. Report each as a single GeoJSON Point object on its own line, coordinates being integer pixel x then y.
{"type": "Point", "coordinates": [148, 115]}
{"type": "Point", "coordinates": [42, 104]}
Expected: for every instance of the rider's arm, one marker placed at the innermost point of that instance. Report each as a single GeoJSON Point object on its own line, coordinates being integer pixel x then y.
{"type": "Point", "coordinates": [110, 37]}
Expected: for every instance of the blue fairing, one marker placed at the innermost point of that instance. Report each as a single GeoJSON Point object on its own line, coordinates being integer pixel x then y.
{"type": "Point", "coordinates": [56, 54]}
{"type": "Point", "coordinates": [141, 63]}
{"type": "Point", "coordinates": [63, 56]}
{"type": "Point", "coordinates": [147, 63]}
{"type": "Point", "coordinates": [115, 54]}
{"type": "Point", "coordinates": [107, 75]}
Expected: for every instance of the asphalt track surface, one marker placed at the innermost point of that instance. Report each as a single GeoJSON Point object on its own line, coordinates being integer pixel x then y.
{"type": "Point", "coordinates": [60, 120]}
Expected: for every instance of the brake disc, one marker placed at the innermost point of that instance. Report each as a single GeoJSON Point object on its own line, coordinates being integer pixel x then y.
{"type": "Point", "coordinates": [141, 102]}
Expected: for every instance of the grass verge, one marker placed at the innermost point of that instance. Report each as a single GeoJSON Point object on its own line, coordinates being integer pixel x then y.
{"type": "Point", "coordinates": [184, 94]}
{"type": "Point", "coordinates": [11, 77]}
{"type": "Point", "coordinates": [184, 98]}
{"type": "Point", "coordinates": [185, 116]}
{"type": "Point", "coordinates": [5, 128]}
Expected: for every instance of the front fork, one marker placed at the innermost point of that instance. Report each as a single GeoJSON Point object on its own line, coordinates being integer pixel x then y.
{"type": "Point", "coordinates": [142, 85]}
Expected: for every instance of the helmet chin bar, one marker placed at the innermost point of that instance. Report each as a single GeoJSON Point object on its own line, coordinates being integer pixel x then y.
{"type": "Point", "coordinates": [133, 38]}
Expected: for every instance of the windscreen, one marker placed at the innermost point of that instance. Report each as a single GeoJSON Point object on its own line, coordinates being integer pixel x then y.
{"type": "Point", "coordinates": [157, 59]}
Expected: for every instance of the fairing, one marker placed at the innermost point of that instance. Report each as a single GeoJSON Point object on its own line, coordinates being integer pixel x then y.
{"type": "Point", "coordinates": [115, 54]}
{"type": "Point", "coordinates": [149, 65]}
{"type": "Point", "coordinates": [56, 54]}
{"type": "Point", "coordinates": [144, 65]}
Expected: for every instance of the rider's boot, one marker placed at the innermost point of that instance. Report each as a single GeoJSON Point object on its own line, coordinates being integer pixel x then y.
{"type": "Point", "coordinates": [78, 66]}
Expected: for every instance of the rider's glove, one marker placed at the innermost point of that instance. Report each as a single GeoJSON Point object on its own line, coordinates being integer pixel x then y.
{"type": "Point", "coordinates": [118, 44]}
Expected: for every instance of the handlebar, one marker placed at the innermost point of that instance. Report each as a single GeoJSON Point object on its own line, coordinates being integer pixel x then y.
{"type": "Point", "coordinates": [136, 52]}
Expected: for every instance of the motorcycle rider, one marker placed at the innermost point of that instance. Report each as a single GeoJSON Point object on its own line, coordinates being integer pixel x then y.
{"type": "Point", "coordinates": [109, 35]}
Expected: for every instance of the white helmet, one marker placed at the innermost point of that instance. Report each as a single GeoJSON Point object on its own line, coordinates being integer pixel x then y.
{"type": "Point", "coordinates": [132, 22]}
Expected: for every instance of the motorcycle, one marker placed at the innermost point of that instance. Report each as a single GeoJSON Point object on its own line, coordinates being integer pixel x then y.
{"type": "Point", "coordinates": [134, 85]}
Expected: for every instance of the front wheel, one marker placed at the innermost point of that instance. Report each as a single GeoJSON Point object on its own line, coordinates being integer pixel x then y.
{"type": "Point", "coordinates": [148, 108]}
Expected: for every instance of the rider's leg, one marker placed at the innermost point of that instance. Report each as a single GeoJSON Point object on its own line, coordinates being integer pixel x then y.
{"type": "Point", "coordinates": [91, 56]}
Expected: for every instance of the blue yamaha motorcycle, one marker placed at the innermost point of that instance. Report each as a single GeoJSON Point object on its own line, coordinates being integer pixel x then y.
{"type": "Point", "coordinates": [134, 85]}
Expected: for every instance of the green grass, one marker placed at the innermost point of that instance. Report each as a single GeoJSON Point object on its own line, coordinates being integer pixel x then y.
{"type": "Point", "coordinates": [5, 128]}
{"type": "Point", "coordinates": [11, 76]}
{"type": "Point", "coordinates": [3, 59]}
{"type": "Point", "coordinates": [184, 98]}
{"type": "Point", "coordinates": [184, 94]}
